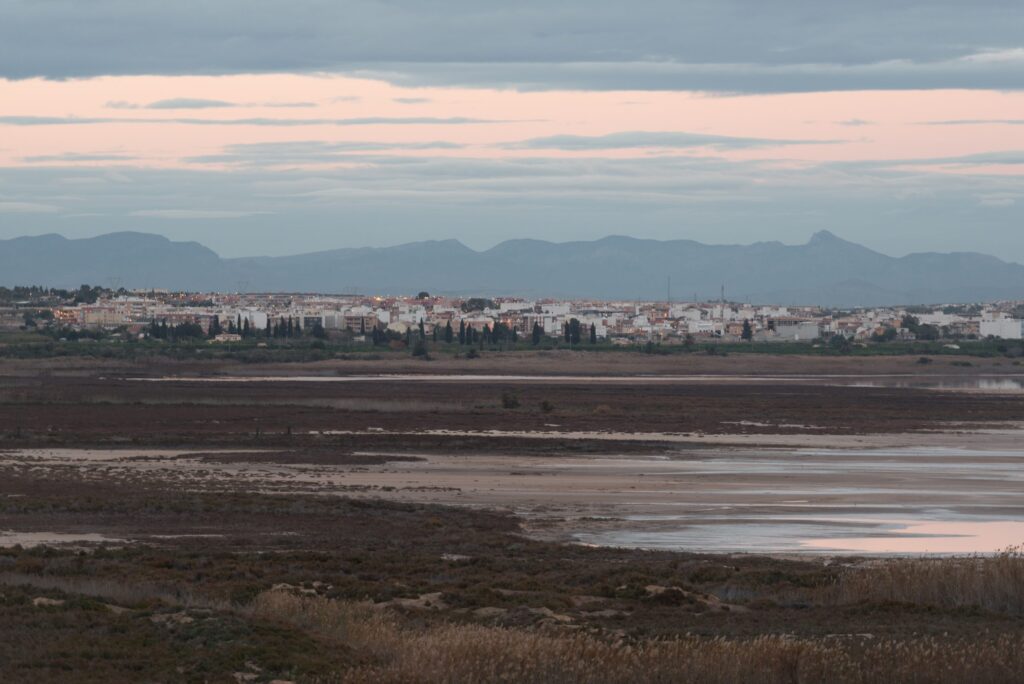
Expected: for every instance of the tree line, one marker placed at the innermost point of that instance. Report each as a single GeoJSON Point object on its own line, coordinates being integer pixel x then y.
{"type": "Point", "coordinates": [282, 328]}
{"type": "Point", "coordinates": [490, 334]}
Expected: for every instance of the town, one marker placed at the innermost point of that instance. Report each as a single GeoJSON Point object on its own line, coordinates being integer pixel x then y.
{"type": "Point", "coordinates": [401, 321]}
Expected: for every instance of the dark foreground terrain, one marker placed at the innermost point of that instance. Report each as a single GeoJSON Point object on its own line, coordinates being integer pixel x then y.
{"type": "Point", "coordinates": [146, 574]}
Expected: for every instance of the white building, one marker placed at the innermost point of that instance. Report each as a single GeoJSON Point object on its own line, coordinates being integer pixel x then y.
{"type": "Point", "coordinates": [1002, 326]}
{"type": "Point", "coordinates": [507, 307]}
{"type": "Point", "coordinates": [797, 331]}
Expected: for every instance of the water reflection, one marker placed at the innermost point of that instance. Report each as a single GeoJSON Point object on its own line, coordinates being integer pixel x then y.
{"type": "Point", "coordinates": [940, 537]}
{"type": "Point", "coordinates": [817, 535]}
{"type": "Point", "coordinates": [947, 383]}
{"type": "Point", "coordinates": [974, 383]}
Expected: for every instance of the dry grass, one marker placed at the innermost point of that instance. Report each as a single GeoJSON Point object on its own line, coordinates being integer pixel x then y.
{"type": "Point", "coordinates": [395, 652]}
{"type": "Point", "coordinates": [120, 592]}
{"type": "Point", "coordinates": [994, 583]}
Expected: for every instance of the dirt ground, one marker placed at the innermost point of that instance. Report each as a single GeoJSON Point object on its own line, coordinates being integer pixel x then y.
{"type": "Point", "coordinates": [452, 502]}
{"type": "Point", "coordinates": [77, 403]}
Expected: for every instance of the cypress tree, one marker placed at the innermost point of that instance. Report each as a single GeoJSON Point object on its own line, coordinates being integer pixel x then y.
{"type": "Point", "coordinates": [593, 334]}
{"type": "Point", "coordinates": [462, 332]}
{"type": "Point", "coordinates": [536, 333]}
{"type": "Point", "coordinates": [448, 332]}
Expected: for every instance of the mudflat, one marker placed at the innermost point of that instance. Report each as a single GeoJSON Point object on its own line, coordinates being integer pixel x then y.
{"type": "Point", "coordinates": [625, 497]}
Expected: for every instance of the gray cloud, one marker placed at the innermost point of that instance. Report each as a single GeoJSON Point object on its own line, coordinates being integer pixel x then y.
{"type": "Point", "coordinates": [194, 103]}
{"type": "Point", "coordinates": [983, 158]}
{"type": "Point", "coordinates": [75, 157]}
{"type": "Point", "coordinates": [293, 105]}
{"type": "Point", "coordinates": [718, 45]}
{"type": "Point", "coordinates": [967, 72]}
{"type": "Point", "coordinates": [412, 100]}
{"type": "Point", "coordinates": [652, 139]}
{"type": "Point", "coordinates": [172, 103]}
{"type": "Point", "coordinates": [974, 122]}
{"type": "Point", "coordinates": [188, 103]}
{"type": "Point", "coordinates": [27, 208]}
{"type": "Point", "coordinates": [23, 120]}
{"type": "Point", "coordinates": [194, 214]}
{"type": "Point", "coordinates": [308, 152]}
{"type": "Point", "coordinates": [54, 120]}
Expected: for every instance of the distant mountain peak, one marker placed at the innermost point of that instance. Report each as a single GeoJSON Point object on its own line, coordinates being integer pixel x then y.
{"type": "Point", "coordinates": [826, 270]}
{"type": "Point", "coordinates": [825, 237]}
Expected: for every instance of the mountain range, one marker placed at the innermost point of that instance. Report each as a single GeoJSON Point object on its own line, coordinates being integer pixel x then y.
{"type": "Point", "coordinates": [827, 270]}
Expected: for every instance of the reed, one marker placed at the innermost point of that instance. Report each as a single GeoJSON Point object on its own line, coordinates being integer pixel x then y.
{"type": "Point", "coordinates": [395, 652]}
{"type": "Point", "coordinates": [993, 583]}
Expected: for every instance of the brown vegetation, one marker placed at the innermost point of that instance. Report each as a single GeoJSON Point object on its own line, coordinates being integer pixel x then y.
{"type": "Point", "coordinates": [475, 653]}
{"type": "Point", "coordinates": [994, 583]}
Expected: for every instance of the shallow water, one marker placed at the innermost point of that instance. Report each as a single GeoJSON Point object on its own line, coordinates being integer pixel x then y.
{"type": "Point", "coordinates": [834, 501]}
{"type": "Point", "coordinates": [986, 384]}
{"type": "Point", "coordinates": [817, 535]}
{"type": "Point", "coordinates": [878, 501]}
{"type": "Point", "coordinates": [999, 384]}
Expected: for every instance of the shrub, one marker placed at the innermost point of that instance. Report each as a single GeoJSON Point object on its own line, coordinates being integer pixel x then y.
{"type": "Point", "coordinates": [994, 583]}
{"type": "Point", "coordinates": [397, 652]}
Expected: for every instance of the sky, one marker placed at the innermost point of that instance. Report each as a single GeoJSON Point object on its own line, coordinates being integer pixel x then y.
{"type": "Point", "coordinates": [265, 127]}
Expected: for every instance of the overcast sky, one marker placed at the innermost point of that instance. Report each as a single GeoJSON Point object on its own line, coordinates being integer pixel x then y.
{"type": "Point", "coordinates": [265, 127]}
